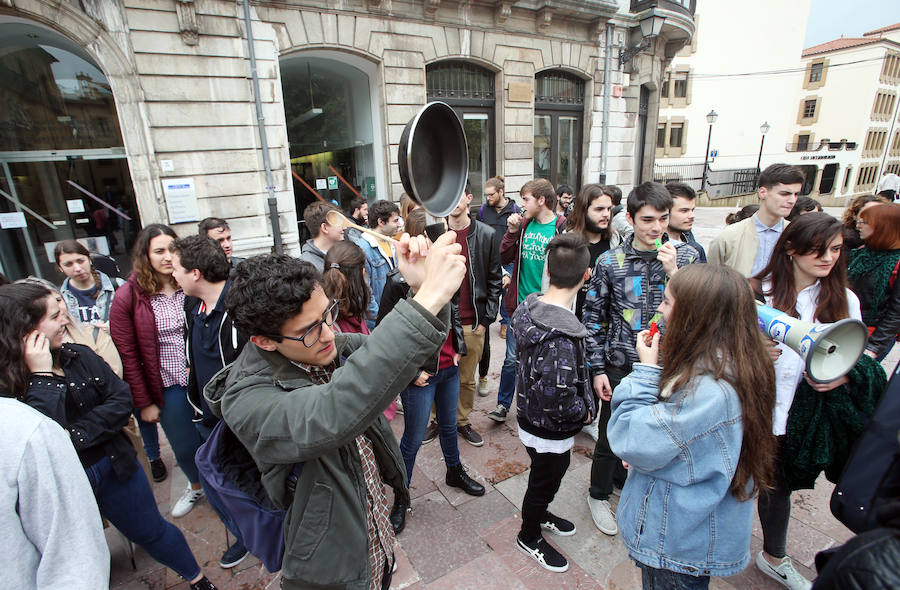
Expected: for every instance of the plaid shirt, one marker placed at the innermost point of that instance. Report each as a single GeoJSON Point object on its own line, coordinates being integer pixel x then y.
{"type": "Point", "coordinates": [378, 526]}
{"type": "Point", "coordinates": [169, 313]}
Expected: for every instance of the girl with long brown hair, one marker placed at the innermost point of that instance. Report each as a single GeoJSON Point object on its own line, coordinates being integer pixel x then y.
{"type": "Point", "coordinates": [147, 326]}
{"type": "Point", "coordinates": [873, 272]}
{"type": "Point", "coordinates": [696, 433]}
{"type": "Point", "coordinates": [807, 279]}
{"type": "Point", "coordinates": [344, 282]}
{"type": "Point", "coordinates": [88, 293]}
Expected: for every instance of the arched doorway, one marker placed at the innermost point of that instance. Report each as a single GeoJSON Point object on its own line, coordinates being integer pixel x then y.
{"type": "Point", "coordinates": [332, 126]}
{"type": "Point", "coordinates": [558, 124]}
{"type": "Point", "coordinates": [469, 89]}
{"type": "Point", "coordinates": [63, 172]}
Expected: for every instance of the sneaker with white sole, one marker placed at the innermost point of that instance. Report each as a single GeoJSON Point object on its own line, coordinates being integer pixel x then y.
{"type": "Point", "coordinates": [784, 573]}
{"type": "Point", "coordinates": [483, 389]}
{"type": "Point", "coordinates": [186, 502]}
{"type": "Point", "coordinates": [558, 526]}
{"type": "Point", "coordinates": [603, 516]}
{"type": "Point", "coordinates": [591, 430]}
{"type": "Point", "coordinates": [544, 553]}
{"type": "Point", "coordinates": [499, 413]}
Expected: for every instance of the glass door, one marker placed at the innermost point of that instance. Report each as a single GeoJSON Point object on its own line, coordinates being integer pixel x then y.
{"type": "Point", "coordinates": [43, 201]}
{"type": "Point", "coordinates": [478, 139]}
{"type": "Point", "coordinates": [557, 141]}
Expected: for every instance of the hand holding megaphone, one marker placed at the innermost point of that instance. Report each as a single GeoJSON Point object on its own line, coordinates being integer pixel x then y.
{"type": "Point", "coordinates": [829, 351]}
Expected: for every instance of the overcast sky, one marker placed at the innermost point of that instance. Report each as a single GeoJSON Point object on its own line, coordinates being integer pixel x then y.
{"type": "Point", "coordinates": [829, 19]}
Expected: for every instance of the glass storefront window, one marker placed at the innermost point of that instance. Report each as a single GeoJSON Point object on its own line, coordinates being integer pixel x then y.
{"type": "Point", "coordinates": [542, 152]}
{"type": "Point", "coordinates": [328, 112]}
{"type": "Point", "coordinates": [559, 112]}
{"type": "Point", "coordinates": [63, 172]}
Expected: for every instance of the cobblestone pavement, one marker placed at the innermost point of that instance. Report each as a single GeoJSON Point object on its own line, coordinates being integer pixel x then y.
{"type": "Point", "coordinates": [454, 541]}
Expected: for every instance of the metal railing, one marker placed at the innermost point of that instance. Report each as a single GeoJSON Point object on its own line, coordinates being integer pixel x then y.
{"type": "Point", "coordinates": [720, 183]}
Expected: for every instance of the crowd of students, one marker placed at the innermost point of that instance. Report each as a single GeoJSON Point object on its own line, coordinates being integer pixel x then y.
{"type": "Point", "coordinates": [612, 322]}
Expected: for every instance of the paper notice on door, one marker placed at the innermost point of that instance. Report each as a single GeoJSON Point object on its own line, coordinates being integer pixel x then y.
{"type": "Point", "coordinates": [181, 199]}
{"type": "Point", "coordinates": [75, 205]}
{"type": "Point", "coordinates": [12, 220]}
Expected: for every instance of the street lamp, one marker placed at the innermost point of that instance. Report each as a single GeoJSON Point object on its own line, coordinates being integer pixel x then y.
{"type": "Point", "coordinates": [763, 129]}
{"type": "Point", "coordinates": [651, 26]}
{"type": "Point", "coordinates": [711, 118]}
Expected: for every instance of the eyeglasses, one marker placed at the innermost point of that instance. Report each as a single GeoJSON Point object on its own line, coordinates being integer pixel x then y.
{"type": "Point", "coordinates": [861, 221]}
{"type": "Point", "coordinates": [489, 194]}
{"type": "Point", "coordinates": [315, 330]}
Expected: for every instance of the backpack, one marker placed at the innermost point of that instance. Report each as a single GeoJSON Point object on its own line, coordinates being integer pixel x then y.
{"type": "Point", "coordinates": [871, 476]}
{"type": "Point", "coordinates": [230, 471]}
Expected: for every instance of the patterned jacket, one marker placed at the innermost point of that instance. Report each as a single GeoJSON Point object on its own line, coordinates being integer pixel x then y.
{"type": "Point", "coordinates": [554, 395]}
{"type": "Point", "coordinates": [625, 290]}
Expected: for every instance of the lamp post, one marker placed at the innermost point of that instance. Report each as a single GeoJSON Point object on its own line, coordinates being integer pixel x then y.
{"type": "Point", "coordinates": [711, 118]}
{"type": "Point", "coordinates": [763, 129]}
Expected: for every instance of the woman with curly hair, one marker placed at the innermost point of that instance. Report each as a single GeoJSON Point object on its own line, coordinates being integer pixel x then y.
{"type": "Point", "coordinates": [147, 326]}
{"type": "Point", "coordinates": [872, 273]}
{"type": "Point", "coordinates": [76, 388]}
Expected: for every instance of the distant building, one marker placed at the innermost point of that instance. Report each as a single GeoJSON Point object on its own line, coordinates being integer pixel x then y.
{"type": "Point", "coordinates": [120, 113]}
{"type": "Point", "coordinates": [846, 131]}
{"type": "Point", "coordinates": [742, 63]}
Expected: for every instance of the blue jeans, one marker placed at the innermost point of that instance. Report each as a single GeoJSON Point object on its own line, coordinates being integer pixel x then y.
{"type": "Point", "coordinates": [442, 391]}
{"type": "Point", "coordinates": [176, 417]}
{"type": "Point", "coordinates": [131, 508]}
{"type": "Point", "coordinates": [658, 579]}
{"type": "Point", "coordinates": [213, 497]}
{"type": "Point", "coordinates": [149, 436]}
{"type": "Point", "coordinates": [504, 315]}
{"type": "Point", "coordinates": [507, 387]}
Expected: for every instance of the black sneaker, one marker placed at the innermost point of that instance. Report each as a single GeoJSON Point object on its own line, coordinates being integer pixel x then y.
{"type": "Point", "coordinates": [158, 470]}
{"type": "Point", "coordinates": [499, 413]}
{"type": "Point", "coordinates": [203, 584]}
{"type": "Point", "coordinates": [544, 553]}
{"type": "Point", "coordinates": [468, 433]}
{"type": "Point", "coordinates": [558, 526]}
{"type": "Point", "coordinates": [430, 433]}
{"type": "Point", "coordinates": [233, 555]}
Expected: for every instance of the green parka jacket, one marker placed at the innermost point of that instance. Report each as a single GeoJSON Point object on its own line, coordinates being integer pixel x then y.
{"type": "Point", "coordinates": [283, 418]}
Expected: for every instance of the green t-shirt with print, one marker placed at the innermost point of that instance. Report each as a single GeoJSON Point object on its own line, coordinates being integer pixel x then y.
{"type": "Point", "coordinates": [534, 254]}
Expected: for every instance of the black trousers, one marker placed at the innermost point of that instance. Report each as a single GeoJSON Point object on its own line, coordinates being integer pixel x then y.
{"type": "Point", "coordinates": [606, 468]}
{"type": "Point", "coordinates": [547, 471]}
{"type": "Point", "coordinates": [775, 509]}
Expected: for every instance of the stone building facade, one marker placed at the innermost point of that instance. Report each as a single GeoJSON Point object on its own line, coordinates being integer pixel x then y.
{"type": "Point", "coordinates": [337, 82]}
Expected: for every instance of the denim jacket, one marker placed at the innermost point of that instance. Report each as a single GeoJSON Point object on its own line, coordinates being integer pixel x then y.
{"type": "Point", "coordinates": [108, 288]}
{"type": "Point", "coordinates": [676, 510]}
{"type": "Point", "coordinates": [377, 268]}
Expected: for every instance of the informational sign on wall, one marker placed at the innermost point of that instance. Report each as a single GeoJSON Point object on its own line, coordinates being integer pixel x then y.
{"type": "Point", "coordinates": [75, 205]}
{"type": "Point", "coordinates": [12, 220]}
{"type": "Point", "coordinates": [181, 199]}
{"type": "Point", "coordinates": [321, 184]}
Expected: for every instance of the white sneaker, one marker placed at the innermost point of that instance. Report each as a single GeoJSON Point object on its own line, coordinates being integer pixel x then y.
{"type": "Point", "coordinates": [785, 574]}
{"type": "Point", "coordinates": [603, 516]}
{"type": "Point", "coordinates": [591, 430]}
{"type": "Point", "coordinates": [186, 502]}
{"type": "Point", "coordinates": [483, 389]}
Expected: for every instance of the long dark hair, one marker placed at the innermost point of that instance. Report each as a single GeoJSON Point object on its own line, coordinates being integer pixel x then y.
{"type": "Point", "coordinates": [577, 220]}
{"type": "Point", "coordinates": [343, 279]}
{"type": "Point", "coordinates": [22, 306]}
{"type": "Point", "coordinates": [140, 257]}
{"type": "Point", "coordinates": [714, 330]}
{"type": "Point", "coordinates": [76, 247]}
{"type": "Point", "coordinates": [807, 234]}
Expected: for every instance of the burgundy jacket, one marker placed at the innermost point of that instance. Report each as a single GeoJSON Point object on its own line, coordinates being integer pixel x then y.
{"type": "Point", "coordinates": [132, 326]}
{"type": "Point", "coordinates": [511, 251]}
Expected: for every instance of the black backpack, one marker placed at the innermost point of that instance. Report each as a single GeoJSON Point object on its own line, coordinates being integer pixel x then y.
{"type": "Point", "coordinates": [872, 474]}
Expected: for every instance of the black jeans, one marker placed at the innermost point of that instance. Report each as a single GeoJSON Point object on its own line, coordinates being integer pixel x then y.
{"type": "Point", "coordinates": [659, 579]}
{"type": "Point", "coordinates": [606, 468]}
{"type": "Point", "coordinates": [547, 471]}
{"type": "Point", "coordinates": [775, 509]}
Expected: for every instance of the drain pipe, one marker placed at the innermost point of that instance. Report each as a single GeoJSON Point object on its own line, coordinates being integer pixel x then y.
{"type": "Point", "coordinates": [263, 142]}
{"type": "Point", "coordinates": [604, 131]}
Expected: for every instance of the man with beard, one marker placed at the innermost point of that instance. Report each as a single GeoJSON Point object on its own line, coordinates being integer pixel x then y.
{"type": "Point", "coordinates": [591, 217]}
{"type": "Point", "coordinates": [681, 220]}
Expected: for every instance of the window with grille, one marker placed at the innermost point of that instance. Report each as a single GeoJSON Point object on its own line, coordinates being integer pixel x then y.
{"type": "Point", "coordinates": [556, 87]}
{"type": "Point", "coordinates": [459, 79]}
